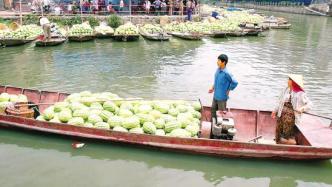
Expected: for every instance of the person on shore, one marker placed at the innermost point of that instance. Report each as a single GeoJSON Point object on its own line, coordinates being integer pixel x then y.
{"type": "Point", "coordinates": [189, 8]}
{"type": "Point", "coordinates": [121, 6]}
{"type": "Point", "coordinates": [292, 102]}
{"type": "Point", "coordinates": [163, 7]}
{"type": "Point", "coordinates": [157, 4]}
{"type": "Point", "coordinates": [46, 26]}
{"type": "Point", "coordinates": [147, 6]}
{"type": "Point", "coordinates": [224, 82]}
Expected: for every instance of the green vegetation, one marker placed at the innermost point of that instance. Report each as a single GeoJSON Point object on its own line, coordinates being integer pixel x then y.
{"type": "Point", "coordinates": [114, 21]}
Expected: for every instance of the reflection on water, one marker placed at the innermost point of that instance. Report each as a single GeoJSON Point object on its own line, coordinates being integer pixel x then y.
{"type": "Point", "coordinates": [175, 69]}
{"type": "Point", "coordinates": [31, 155]}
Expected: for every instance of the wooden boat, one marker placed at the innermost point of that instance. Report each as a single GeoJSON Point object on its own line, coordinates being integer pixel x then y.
{"type": "Point", "coordinates": [313, 136]}
{"type": "Point", "coordinates": [252, 32]}
{"type": "Point", "coordinates": [14, 42]}
{"type": "Point", "coordinates": [236, 33]}
{"type": "Point", "coordinates": [104, 36]}
{"type": "Point", "coordinates": [126, 38]}
{"type": "Point", "coordinates": [155, 37]}
{"type": "Point", "coordinates": [84, 38]}
{"type": "Point", "coordinates": [217, 34]}
{"type": "Point", "coordinates": [187, 36]}
{"type": "Point", "coordinates": [281, 26]}
{"type": "Point", "coordinates": [51, 42]}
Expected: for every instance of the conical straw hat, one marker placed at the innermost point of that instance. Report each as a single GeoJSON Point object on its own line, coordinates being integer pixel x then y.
{"type": "Point", "coordinates": [298, 79]}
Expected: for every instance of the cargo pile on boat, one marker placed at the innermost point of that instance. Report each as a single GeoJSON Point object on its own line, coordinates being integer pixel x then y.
{"type": "Point", "coordinates": [80, 30]}
{"type": "Point", "coordinates": [23, 32]}
{"type": "Point", "coordinates": [6, 99]}
{"type": "Point", "coordinates": [103, 31]}
{"type": "Point", "coordinates": [176, 118]}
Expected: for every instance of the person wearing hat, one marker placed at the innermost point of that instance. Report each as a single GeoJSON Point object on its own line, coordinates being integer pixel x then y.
{"type": "Point", "coordinates": [46, 26]}
{"type": "Point", "coordinates": [292, 102]}
{"type": "Point", "coordinates": [224, 82]}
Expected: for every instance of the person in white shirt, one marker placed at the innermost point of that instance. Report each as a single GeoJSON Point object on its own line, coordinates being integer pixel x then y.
{"type": "Point", "coordinates": [46, 26]}
{"type": "Point", "coordinates": [292, 102]}
{"type": "Point", "coordinates": [147, 6]}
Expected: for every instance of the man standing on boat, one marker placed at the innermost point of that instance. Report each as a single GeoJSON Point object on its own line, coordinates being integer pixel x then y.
{"type": "Point", "coordinates": [224, 82]}
{"type": "Point", "coordinates": [46, 26]}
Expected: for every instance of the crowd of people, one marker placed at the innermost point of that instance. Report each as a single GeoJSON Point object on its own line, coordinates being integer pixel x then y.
{"type": "Point", "coordinates": [148, 7]}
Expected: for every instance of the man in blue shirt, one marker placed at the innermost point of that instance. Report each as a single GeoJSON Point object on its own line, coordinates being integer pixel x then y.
{"type": "Point", "coordinates": [223, 83]}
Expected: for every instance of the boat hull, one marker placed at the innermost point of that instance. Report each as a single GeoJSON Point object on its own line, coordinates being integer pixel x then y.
{"type": "Point", "coordinates": [187, 36]}
{"type": "Point", "coordinates": [52, 42]}
{"type": "Point", "coordinates": [81, 38]}
{"type": "Point", "coordinates": [13, 42]}
{"type": "Point", "coordinates": [219, 148]}
{"type": "Point", "coordinates": [126, 38]}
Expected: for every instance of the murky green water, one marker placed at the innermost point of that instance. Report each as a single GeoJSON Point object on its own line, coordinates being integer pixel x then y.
{"type": "Point", "coordinates": [175, 69]}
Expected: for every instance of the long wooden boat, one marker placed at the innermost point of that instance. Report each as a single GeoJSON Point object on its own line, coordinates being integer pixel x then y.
{"type": "Point", "coordinates": [84, 38]}
{"type": "Point", "coordinates": [217, 34]}
{"type": "Point", "coordinates": [281, 26]}
{"type": "Point", "coordinates": [313, 136]}
{"type": "Point", "coordinates": [252, 32]}
{"type": "Point", "coordinates": [155, 37]}
{"type": "Point", "coordinates": [14, 42]}
{"type": "Point", "coordinates": [236, 33]}
{"type": "Point", "coordinates": [126, 38]}
{"type": "Point", "coordinates": [104, 36]}
{"type": "Point", "coordinates": [51, 42]}
{"type": "Point", "coordinates": [187, 36]}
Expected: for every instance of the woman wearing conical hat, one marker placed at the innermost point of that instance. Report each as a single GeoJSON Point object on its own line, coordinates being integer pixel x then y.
{"type": "Point", "coordinates": [293, 101]}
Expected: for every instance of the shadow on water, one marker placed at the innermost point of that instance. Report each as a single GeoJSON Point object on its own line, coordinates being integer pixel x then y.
{"type": "Point", "coordinates": [214, 170]}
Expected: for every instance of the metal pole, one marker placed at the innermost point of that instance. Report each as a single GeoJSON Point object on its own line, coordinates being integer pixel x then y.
{"type": "Point", "coordinates": [130, 10]}
{"type": "Point", "coordinates": [21, 20]}
{"type": "Point", "coordinates": [82, 10]}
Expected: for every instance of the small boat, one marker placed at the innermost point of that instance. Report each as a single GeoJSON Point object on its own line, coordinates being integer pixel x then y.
{"type": "Point", "coordinates": [276, 25]}
{"type": "Point", "coordinates": [155, 37]}
{"type": "Point", "coordinates": [83, 38]}
{"type": "Point", "coordinates": [187, 36]}
{"type": "Point", "coordinates": [252, 32]}
{"type": "Point", "coordinates": [236, 33]}
{"type": "Point", "coordinates": [281, 26]}
{"type": "Point", "coordinates": [126, 38]}
{"type": "Point", "coordinates": [104, 36]}
{"type": "Point", "coordinates": [314, 137]}
{"type": "Point", "coordinates": [14, 42]}
{"type": "Point", "coordinates": [217, 34]}
{"type": "Point", "coordinates": [51, 42]}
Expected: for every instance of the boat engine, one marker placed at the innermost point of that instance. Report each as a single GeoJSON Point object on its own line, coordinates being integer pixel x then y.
{"type": "Point", "coordinates": [223, 128]}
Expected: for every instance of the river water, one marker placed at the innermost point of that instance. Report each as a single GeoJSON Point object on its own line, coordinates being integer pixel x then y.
{"type": "Point", "coordinates": [176, 69]}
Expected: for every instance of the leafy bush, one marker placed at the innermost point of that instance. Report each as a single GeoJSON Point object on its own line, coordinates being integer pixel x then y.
{"type": "Point", "coordinates": [114, 21]}
{"type": "Point", "coordinates": [92, 21]}
{"type": "Point", "coordinates": [30, 19]}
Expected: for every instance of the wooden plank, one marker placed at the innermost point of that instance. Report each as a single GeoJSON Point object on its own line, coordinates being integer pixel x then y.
{"type": "Point", "coordinates": [33, 95]}
{"type": "Point", "coordinates": [14, 90]}
{"type": "Point", "coordinates": [315, 131]}
{"type": "Point", "coordinates": [48, 97]}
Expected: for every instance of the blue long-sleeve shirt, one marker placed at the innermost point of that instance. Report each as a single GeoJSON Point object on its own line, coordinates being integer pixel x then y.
{"type": "Point", "coordinates": [223, 81]}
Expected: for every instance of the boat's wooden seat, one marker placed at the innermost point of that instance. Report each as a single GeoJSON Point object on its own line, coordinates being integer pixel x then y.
{"type": "Point", "coordinates": [316, 131]}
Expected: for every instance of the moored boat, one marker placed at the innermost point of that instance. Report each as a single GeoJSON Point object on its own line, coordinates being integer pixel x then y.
{"type": "Point", "coordinates": [51, 42]}
{"type": "Point", "coordinates": [314, 138]}
{"type": "Point", "coordinates": [126, 38]}
{"type": "Point", "coordinates": [217, 34]}
{"type": "Point", "coordinates": [104, 35]}
{"type": "Point", "coordinates": [14, 42]}
{"type": "Point", "coordinates": [83, 38]}
{"type": "Point", "coordinates": [155, 37]}
{"type": "Point", "coordinates": [187, 36]}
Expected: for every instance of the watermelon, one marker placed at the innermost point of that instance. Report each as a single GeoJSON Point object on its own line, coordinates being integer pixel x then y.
{"type": "Point", "coordinates": [149, 128]}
